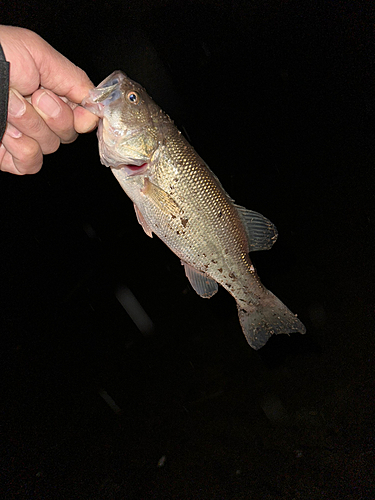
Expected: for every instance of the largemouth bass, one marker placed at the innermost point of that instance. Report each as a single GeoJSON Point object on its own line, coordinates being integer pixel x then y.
{"type": "Point", "coordinates": [177, 197]}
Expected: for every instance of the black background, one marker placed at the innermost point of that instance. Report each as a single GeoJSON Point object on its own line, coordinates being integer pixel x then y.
{"type": "Point", "coordinates": [278, 98]}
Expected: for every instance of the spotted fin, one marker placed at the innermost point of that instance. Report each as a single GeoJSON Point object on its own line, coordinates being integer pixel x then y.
{"type": "Point", "coordinates": [202, 284]}
{"type": "Point", "coordinates": [162, 199]}
{"type": "Point", "coordinates": [261, 233]}
{"type": "Point", "coordinates": [142, 221]}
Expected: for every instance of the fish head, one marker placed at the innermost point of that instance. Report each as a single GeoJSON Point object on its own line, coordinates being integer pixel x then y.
{"type": "Point", "coordinates": [129, 131]}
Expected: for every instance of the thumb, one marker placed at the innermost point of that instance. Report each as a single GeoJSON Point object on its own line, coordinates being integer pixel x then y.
{"type": "Point", "coordinates": [34, 62]}
{"type": "Point", "coordinates": [57, 73]}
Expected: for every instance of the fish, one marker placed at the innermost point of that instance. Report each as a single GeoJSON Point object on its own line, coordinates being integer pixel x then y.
{"type": "Point", "coordinates": [177, 197]}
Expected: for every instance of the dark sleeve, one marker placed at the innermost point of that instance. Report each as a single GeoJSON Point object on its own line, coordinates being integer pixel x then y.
{"type": "Point", "coordinates": [4, 89]}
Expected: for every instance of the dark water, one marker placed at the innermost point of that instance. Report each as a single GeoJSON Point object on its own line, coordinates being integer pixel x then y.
{"type": "Point", "coordinates": [278, 98]}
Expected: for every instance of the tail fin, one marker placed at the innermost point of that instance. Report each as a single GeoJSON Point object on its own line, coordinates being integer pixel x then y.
{"type": "Point", "coordinates": [269, 317]}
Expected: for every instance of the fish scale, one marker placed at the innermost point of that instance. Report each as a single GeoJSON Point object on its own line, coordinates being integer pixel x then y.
{"type": "Point", "coordinates": [213, 214]}
{"type": "Point", "coordinates": [178, 198]}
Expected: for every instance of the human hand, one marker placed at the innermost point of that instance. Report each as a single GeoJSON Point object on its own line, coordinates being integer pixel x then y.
{"type": "Point", "coordinates": [43, 111]}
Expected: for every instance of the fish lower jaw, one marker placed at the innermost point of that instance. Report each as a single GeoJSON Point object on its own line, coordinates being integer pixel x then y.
{"type": "Point", "coordinates": [94, 107]}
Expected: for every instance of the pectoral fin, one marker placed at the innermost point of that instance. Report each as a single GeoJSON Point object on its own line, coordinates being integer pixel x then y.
{"type": "Point", "coordinates": [202, 284]}
{"type": "Point", "coordinates": [162, 199]}
{"type": "Point", "coordinates": [261, 233]}
{"type": "Point", "coordinates": [142, 221]}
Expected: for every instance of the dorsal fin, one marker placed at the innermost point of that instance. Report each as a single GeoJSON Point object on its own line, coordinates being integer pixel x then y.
{"type": "Point", "coordinates": [261, 233]}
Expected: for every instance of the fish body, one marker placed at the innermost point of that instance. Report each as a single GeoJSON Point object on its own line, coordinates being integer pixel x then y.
{"type": "Point", "coordinates": [177, 197]}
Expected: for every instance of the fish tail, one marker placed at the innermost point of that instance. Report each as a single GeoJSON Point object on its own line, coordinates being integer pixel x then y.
{"type": "Point", "coordinates": [269, 317]}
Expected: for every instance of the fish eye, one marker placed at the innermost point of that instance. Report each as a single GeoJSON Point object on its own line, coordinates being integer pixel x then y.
{"type": "Point", "coordinates": [133, 97]}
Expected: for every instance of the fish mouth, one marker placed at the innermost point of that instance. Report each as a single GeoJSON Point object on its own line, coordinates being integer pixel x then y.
{"type": "Point", "coordinates": [96, 108]}
{"type": "Point", "coordinates": [94, 100]}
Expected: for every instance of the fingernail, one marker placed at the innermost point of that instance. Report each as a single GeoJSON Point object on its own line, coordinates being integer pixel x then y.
{"type": "Point", "coordinates": [17, 105]}
{"type": "Point", "coordinates": [48, 105]}
{"type": "Point", "coordinates": [13, 131]}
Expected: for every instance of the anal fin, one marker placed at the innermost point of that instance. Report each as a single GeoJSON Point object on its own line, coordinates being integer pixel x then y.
{"type": "Point", "coordinates": [204, 286]}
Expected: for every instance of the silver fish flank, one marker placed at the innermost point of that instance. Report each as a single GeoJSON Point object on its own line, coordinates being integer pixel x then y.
{"type": "Point", "coordinates": [177, 197]}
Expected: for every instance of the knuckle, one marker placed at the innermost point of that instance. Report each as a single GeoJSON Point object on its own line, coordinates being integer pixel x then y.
{"type": "Point", "coordinates": [36, 125]}
{"type": "Point", "coordinates": [29, 167]}
{"type": "Point", "coordinates": [29, 152]}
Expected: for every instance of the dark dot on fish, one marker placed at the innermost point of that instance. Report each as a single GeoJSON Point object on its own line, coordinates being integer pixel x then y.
{"type": "Point", "coordinates": [219, 214]}
{"type": "Point", "coordinates": [173, 216]}
{"type": "Point", "coordinates": [178, 232]}
{"type": "Point", "coordinates": [220, 269]}
{"type": "Point", "coordinates": [226, 250]}
{"type": "Point", "coordinates": [233, 276]}
{"type": "Point", "coordinates": [214, 261]}
{"type": "Point", "coordinates": [184, 222]}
